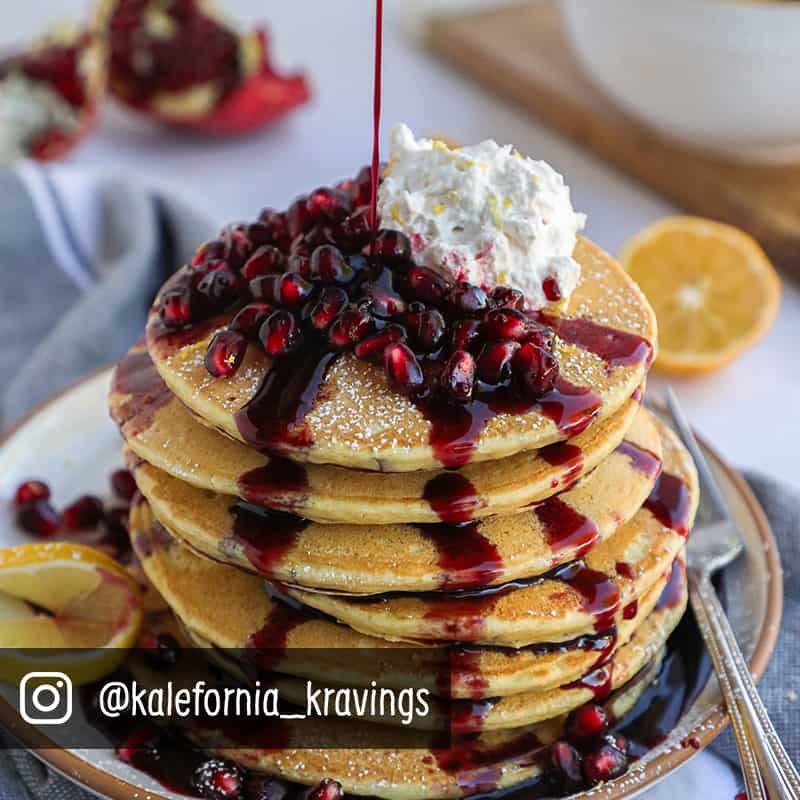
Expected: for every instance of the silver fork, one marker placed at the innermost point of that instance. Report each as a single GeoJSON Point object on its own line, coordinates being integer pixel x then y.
{"type": "Point", "coordinates": [715, 543]}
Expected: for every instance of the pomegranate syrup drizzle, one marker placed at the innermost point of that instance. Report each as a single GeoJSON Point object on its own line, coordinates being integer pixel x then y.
{"type": "Point", "coordinates": [137, 376]}
{"type": "Point", "coordinates": [670, 503]}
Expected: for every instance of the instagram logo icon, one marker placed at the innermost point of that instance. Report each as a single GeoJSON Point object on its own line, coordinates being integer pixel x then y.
{"type": "Point", "coordinates": [45, 698]}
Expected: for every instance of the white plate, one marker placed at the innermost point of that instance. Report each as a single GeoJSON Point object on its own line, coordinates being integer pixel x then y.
{"type": "Point", "coordinates": [71, 443]}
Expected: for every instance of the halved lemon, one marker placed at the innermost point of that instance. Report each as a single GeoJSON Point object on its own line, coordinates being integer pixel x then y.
{"type": "Point", "coordinates": [714, 290]}
{"type": "Point", "coordinates": [65, 607]}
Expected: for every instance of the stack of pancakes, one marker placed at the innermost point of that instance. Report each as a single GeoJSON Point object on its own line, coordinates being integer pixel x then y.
{"type": "Point", "coordinates": [549, 564]}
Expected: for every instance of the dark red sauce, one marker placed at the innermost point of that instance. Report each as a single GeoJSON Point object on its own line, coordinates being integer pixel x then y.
{"type": "Point", "coordinates": [466, 558]}
{"type": "Point", "coordinates": [599, 681]}
{"type": "Point", "coordinates": [564, 454]}
{"type": "Point", "coordinates": [631, 610]}
{"type": "Point", "coordinates": [136, 376]}
{"type": "Point", "coordinates": [598, 592]}
{"type": "Point", "coordinates": [267, 646]}
{"type": "Point", "coordinates": [565, 528]}
{"type": "Point", "coordinates": [669, 503]}
{"type": "Point", "coordinates": [672, 594]}
{"type": "Point", "coordinates": [280, 483]}
{"type": "Point", "coordinates": [452, 497]}
{"type": "Point", "coordinates": [625, 570]}
{"type": "Point", "coordinates": [265, 535]}
{"type": "Point", "coordinates": [642, 460]}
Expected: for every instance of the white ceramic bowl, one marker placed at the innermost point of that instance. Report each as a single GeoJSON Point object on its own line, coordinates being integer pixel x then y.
{"type": "Point", "coordinates": [720, 74]}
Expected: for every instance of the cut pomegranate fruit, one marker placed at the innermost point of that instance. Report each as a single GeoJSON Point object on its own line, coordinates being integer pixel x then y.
{"type": "Point", "coordinates": [403, 369]}
{"type": "Point", "coordinates": [30, 491]}
{"type": "Point", "coordinates": [280, 334]}
{"type": "Point", "coordinates": [39, 518]}
{"type": "Point", "coordinates": [225, 353]}
{"type": "Point", "coordinates": [84, 514]}
{"type": "Point", "coordinates": [328, 205]}
{"type": "Point", "coordinates": [604, 764]}
{"type": "Point", "coordinates": [565, 767]}
{"type": "Point", "coordinates": [250, 319]}
{"type": "Point", "coordinates": [51, 92]}
{"type": "Point", "coordinates": [458, 376]}
{"type": "Point", "coordinates": [586, 723]}
{"type": "Point", "coordinates": [176, 308]}
{"type": "Point", "coordinates": [355, 230]}
{"type": "Point", "coordinates": [218, 779]}
{"type": "Point", "coordinates": [123, 484]}
{"type": "Point", "coordinates": [266, 260]}
{"type": "Point", "coordinates": [180, 63]}
{"type": "Point", "coordinates": [494, 362]}
{"type": "Point", "coordinates": [466, 335]}
{"type": "Point", "coordinates": [373, 347]}
{"type": "Point", "coordinates": [427, 285]}
{"type": "Point", "coordinates": [292, 290]}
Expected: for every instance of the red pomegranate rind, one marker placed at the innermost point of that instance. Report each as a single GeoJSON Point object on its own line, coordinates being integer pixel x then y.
{"type": "Point", "coordinates": [182, 65]}
{"type": "Point", "coordinates": [70, 64]}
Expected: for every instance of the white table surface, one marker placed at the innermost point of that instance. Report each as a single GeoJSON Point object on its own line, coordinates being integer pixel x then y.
{"type": "Point", "coordinates": [749, 411]}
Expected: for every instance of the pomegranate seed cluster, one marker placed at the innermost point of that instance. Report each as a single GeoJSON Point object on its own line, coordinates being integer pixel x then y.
{"type": "Point", "coordinates": [589, 754]}
{"type": "Point", "coordinates": [36, 514]}
{"type": "Point", "coordinates": [314, 276]}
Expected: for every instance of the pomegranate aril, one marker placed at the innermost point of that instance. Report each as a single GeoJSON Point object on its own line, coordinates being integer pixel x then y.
{"type": "Point", "coordinates": [280, 334]}
{"type": "Point", "coordinates": [361, 187]}
{"type": "Point", "coordinates": [123, 484]}
{"type": "Point", "coordinates": [39, 518]}
{"type": "Point", "coordinates": [467, 299]}
{"type": "Point", "coordinates": [535, 370]}
{"type": "Point", "coordinates": [30, 491]}
{"type": "Point", "coordinates": [327, 205]}
{"type": "Point", "coordinates": [616, 740]}
{"type": "Point", "coordinates": [292, 290]}
{"type": "Point", "coordinates": [391, 246]}
{"type": "Point", "coordinates": [384, 303]}
{"type": "Point", "coordinates": [350, 327]}
{"type": "Point", "coordinates": [540, 335]}
{"type": "Point", "coordinates": [301, 246]}
{"type": "Point", "coordinates": [427, 285]}
{"type": "Point", "coordinates": [259, 235]}
{"type": "Point", "coordinates": [250, 318]}
{"type": "Point", "coordinates": [466, 335]}
{"type": "Point", "coordinates": [297, 217]}
{"type": "Point", "coordinates": [326, 789]}
{"type": "Point", "coordinates": [83, 514]}
{"type": "Point", "coordinates": [586, 723]}
{"type": "Point", "coordinates": [116, 522]}
{"type": "Point", "coordinates": [505, 323]}
{"type": "Point", "coordinates": [494, 362]}
{"type": "Point", "coordinates": [329, 265]}
{"type": "Point", "coordinates": [265, 261]}
{"type": "Point", "coordinates": [373, 347]}
{"type": "Point", "coordinates": [565, 766]}
{"type": "Point", "coordinates": [274, 226]}
{"type": "Point", "coordinates": [225, 353]}
{"type": "Point", "coordinates": [506, 296]}
{"type": "Point", "coordinates": [221, 286]}
{"type": "Point", "coordinates": [176, 308]}
{"type": "Point", "coordinates": [604, 764]}
{"type": "Point", "coordinates": [211, 250]}
{"type": "Point", "coordinates": [354, 231]}
{"type": "Point", "coordinates": [329, 305]}
{"type": "Point", "coordinates": [457, 378]}
{"type": "Point", "coordinates": [218, 779]}
{"type": "Point", "coordinates": [426, 327]}
{"type": "Point", "coordinates": [237, 244]}
{"type": "Point", "coordinates": [299, 265]}
{"type": "Point", "coordinates": [551, 289]}
{"type": "Point", "coordinates": [402, 368]}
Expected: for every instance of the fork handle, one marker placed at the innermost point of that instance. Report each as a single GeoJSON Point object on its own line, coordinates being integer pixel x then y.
{"type": "Point", "coordinates": [768, 771]}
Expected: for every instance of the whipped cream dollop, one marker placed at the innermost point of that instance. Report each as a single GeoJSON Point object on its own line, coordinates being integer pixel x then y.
{"type": "Point", "coordinates": [484, 214]}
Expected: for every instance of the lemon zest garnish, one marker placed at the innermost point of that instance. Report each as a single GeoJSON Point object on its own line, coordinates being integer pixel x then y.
{"type": "Point", "coordinates": [502, 276]}
{"type": "Point", "coordinates": [507, 203]}
{"type": "Point", "coordinates": [438, 208]}
{"type": "Point", "coordinates": [396, 215]}
{"type": "Point", "coordinates": [496, 218]}
{"type": "Point", "coordinates": [438, 144]}
{"type": "Point", "coordinates": [452, 196]}
{"type": "Point", "coordinates": [387, 171]}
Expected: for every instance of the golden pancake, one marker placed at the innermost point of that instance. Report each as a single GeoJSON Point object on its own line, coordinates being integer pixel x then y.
{"type": "Point", "coordinates": [371, 559]}
{"type": "Point", "coordinates": [238, 613]}
{"type": "Point", "coordinates": [575, 599]}
{"type": "Point", "coordinates": [343, 411]}
{"type": "Point", "coordinates": [160, 430]}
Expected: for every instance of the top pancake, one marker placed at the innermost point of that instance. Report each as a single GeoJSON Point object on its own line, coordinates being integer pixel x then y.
{"type": "Point", "coordinates": [356, 420]}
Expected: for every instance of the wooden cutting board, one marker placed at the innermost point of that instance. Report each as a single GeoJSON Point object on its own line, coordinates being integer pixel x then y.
{"type": "Point", "coordinates": [521, 52]}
